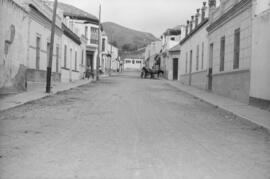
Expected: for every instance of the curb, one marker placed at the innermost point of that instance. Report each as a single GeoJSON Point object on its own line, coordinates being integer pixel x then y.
{"type": "Point", "coordinates": [222, 108]}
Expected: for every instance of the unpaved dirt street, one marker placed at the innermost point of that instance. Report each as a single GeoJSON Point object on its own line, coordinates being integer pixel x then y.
{"type": "Point", "coordinates": [125, 127]}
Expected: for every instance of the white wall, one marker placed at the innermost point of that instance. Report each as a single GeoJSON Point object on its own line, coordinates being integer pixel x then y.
{"type": "Point", "coordinates": [17, 50]}
{"type": "Point", "coordinates": [69, 73]}
{"type": "Point", "coordinates": [42, 30]}
{"type": "Point", "coordinates": [199, 38]}
{"type": "Point", "coordinates": [261, 5]}
{"type": "Point", "coordinates": [128, 64]}
{"type": "Point", "coordinates": [260, 64]}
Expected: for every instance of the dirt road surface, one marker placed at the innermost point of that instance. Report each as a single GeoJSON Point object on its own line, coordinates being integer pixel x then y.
{"type": "Point", "coordinates": [125, 127]}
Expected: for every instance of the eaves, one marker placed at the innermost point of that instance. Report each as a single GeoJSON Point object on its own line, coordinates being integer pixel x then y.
{"type": "Point", "coordinates": [227, 16]}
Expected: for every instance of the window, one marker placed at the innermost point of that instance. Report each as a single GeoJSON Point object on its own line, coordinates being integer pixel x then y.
{"type": "Point", "coordinates": [75, 60]}
{"type": "Point", "coordinates": [94, 35]}
{"type": "Point", "coordinates": [197, 57]}
{"type": "Point", "coordinates": [133, 61]}
{"type": "Point", "coordinates": [65, 56]}
{"type": "Point", "coordinates": [222, 53]}
{"type": "Point", "coordinates": [236, 49]}
{"type": "Point", "coordinates": [57, 59]}
{"type": "Point", "coordinates": [37, 52]}
{"type": "Point", "coordinates": [138, 62]}
{"type": "Point", "coordinates": [173, 38]}
{"type": "Point", "coordinates": [186, 70]}
{"type": "Point", "coordinates": [202, 65]}
{"type": "Point", "coordinates": [190, 62]}
{"type": "Point", "coordinates": [70, 58]}
{"type": "Point", "coordinates": [103, 45]}
{"type": "Point", "coordinates": [86, 31]}
{"type": "Point", "coordinates": [82, 57]}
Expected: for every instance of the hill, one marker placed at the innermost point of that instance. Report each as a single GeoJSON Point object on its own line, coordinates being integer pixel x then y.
{"type": "Point", "coordinates": [127, 39]}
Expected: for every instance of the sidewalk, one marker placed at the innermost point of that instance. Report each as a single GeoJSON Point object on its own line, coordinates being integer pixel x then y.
{"type": "Point", "coordinates": [36, 91]}
{"type": "Point", "coordinates": [245, 111]}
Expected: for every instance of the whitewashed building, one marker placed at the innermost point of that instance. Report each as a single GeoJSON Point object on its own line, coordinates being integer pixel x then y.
{"type": "Point", "coordinates": [13, 47]}
{"type": "Point", "coordinates": [83, 24]}
{"type": "Point", "coordinates": [194, 52]}
{"type": "Point", "coordinates": [170, 39]}
{"type": "Point", "coordinates": [260, 63]}
{"type": "Point", "coordinates": [133, 63]}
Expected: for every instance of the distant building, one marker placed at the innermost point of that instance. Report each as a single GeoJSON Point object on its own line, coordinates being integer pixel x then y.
{"type": "Point", "coordinates": [194, 52]}
{"type": "Point", "coordinates": [152, 52]}
{"type": "Point", "coordinates": [173, 63]}
{"type": "Point", "coordinates": [133, 63]}
{"type": "Point", "coordinates": [170, 39]}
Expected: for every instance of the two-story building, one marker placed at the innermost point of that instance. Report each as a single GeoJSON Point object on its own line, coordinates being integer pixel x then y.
{"type": "Point", "coordinates": [170, 38]}
{"type": "Point", "coordinates": [87, 25]}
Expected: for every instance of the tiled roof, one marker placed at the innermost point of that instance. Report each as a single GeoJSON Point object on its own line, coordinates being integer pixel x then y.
{"type": "Point", "coordinates": [175, 48]}
{"type": "Point", "coordinates": [76, 13]}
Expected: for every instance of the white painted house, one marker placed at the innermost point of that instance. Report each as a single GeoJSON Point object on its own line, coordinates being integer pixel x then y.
{"type": "Point", "coordinates": [13, 46]}
{"type": "Point", "coordinates": [133, 63]}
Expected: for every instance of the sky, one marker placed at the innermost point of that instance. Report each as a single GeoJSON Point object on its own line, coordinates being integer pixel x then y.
{"type": "Point", "coordinates": [154, 16]}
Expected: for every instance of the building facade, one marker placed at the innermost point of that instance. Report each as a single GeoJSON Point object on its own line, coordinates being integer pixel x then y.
{"type": "Point", "coordinates": [230, 48]}
{"type": "Point", "coordinates": [260, 63]}
{"type": "Point", "coordinates": [170, 39]}
{"type": "Point", "coordinates": [194, 52]}
{"type": "Point", "coordinates": [39, 36]}
{"type": "Point", "coordinates": [86, 25]}
{"type": "Point", "coordinates": [173, 63]}
{"type": "Point", "coordinates": [133, 64]}
{"type": "Point", "coordinates": [13, 47]}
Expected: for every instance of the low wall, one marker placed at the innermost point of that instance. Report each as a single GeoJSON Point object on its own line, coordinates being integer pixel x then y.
{"type": "Point", "coordinates": [16, 84]}
{"type": "Point", "coordinates": [184, 79]}
{"type": "Point", "coordinates": [234, 85]}
{"type": "Point", "coordinates": [34, 75]}
{"type": "Point", "coordinates": [199, 80]}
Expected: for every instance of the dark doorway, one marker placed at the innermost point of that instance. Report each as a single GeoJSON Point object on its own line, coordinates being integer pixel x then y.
{"type": "Point", "coordinates": [175, 69]}
{"type": "Point", "coordinates": [210, 69]}
{"type": "Point", "coordinates": [90, 60]}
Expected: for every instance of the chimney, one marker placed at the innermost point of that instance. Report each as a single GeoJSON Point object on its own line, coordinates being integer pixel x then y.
{"type": "Point", "coordinates": [187, 28]}
{"type": "Point", "coordinates": [197, 17]}
{"type": "Point", "coordinates": [212, 7]}
{"type": "Point", "coordinates": [191, 23]}
{"type": "Point", "coordinates": [203, 11]}
{"type": "Point", "coordinates": [212, 4]}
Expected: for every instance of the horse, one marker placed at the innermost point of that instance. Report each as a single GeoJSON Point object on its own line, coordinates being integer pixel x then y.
{"type": "Point", "coordinates": [148, 71]}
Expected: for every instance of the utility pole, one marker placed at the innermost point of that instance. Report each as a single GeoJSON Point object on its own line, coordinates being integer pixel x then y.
{"type": "Point", "coordinates": [49, 67]}
{"type": "Point", "coordinates": [98, 59]}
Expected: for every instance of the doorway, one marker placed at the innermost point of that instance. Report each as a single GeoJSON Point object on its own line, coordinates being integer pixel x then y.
{"type": "Point", "coordinates": [175, 69]}
{"type": "Point", "coordinates": [90, 61]}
